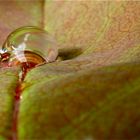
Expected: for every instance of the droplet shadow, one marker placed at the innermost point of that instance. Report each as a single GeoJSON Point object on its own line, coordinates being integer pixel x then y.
{"type": "Point", "coordinates": [69, 53]}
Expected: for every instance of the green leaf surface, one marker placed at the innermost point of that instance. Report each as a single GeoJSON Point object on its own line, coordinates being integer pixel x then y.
{"type": "Point", "coordinates": [86, 104]}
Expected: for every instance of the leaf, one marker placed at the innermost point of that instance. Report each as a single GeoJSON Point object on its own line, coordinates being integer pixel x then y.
{"type": "Point", "coordinates": [107, 30]}
{"type": "Point", "coordinates": [86, 104]}
{"type": "Point", "coordinates": [8, 83]}
{"type": "Point", "coordinates": [95, 94]}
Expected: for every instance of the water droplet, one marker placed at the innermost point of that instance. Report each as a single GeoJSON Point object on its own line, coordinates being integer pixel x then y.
{"type": "Point", "coordinates": [29, 46]}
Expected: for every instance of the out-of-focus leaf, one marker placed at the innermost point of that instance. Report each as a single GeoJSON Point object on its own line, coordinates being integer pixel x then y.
{"type": "Point", "coordinates": [108, 30]}
{"type": "Point", "coordinates": [15, 13]}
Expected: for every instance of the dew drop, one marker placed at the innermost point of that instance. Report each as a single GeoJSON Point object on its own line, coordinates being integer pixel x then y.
{"type": "Point", "coordinates": [29, 46]}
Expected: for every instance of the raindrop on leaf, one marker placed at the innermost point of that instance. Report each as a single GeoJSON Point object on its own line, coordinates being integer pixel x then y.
{"type": "Point", "coordinates": [29, 46]}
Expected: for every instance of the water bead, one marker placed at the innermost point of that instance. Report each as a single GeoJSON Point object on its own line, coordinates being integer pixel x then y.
{"type": "Point", "coordinates": [29, 45]}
